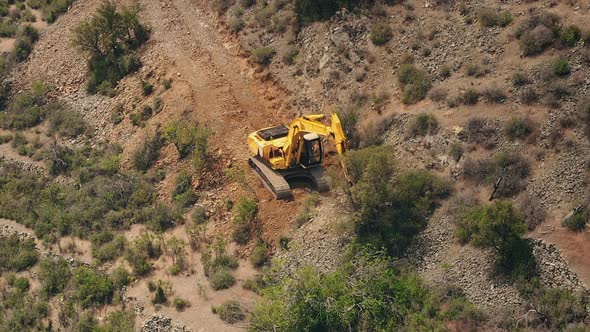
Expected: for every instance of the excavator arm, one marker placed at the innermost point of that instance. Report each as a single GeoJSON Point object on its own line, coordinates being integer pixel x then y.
{"type": "Point", "coordinates": [311, 124]}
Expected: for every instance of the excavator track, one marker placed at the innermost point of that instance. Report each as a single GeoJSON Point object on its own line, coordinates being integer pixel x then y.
{"type": "Point", "coordinates": [271, 179]}
{"type": "Point", "coordinates": [319, 179]}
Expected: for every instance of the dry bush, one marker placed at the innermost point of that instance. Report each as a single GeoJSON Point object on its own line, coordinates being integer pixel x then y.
{"type": "Point", "coordinates": [263, 55]}
{"type": "Point", "coordinates": [416, 83]}
{"type": "Point", "coordinates": [529, 96]}
{"type": "Point", "coordinates": [490, 17]}
{"type": "Point", "coordinates": [494, 95]}
{"type": "Point", "coordinates": [532, 210]}
{"type": "Point", "coordinates": [221, 6]}
{"type": "Point", "coordinates": [568, 120]}
{"type": "Point", "coordinates": [444, 72]}
{"type": "Point", "coordinates": [475, 70]}
{"type": "Point", "coordinates": [469, 97]}
{"type": "Point", "coordinates": [584, 115]}
{"type": "Point", "coordinates": [538, 32]}
{"type": "Point", "coordinates": [423, 124]}
{"type": "Point", "coordinates": [511, 167]}
{"type": "Point", "coordinates": [519, 128]}
{"type": "Point", "coordinates": [520, 79]}
{"type": "Point", "coordinates": [380, 33]}
{"type": "Point", "coordinates": [536, 40]}
{"type": "Point", "coordinates": [480, 131]}
{"type": "Point", "coordinates": [373, 132]}
{"type": "Point", "coordinates": [438, 94]}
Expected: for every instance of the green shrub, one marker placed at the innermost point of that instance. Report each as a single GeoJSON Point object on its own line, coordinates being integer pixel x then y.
{"type": "Point", "coordinates": [51, 10]}
{"type": "Point", "coordinates": [22, 284]}
{"type": "Point", "coordinates": [558, 308]}
{"type": "Point", "coordinates": [54, 276]}
{"type": "Point", "coordinates": [391, 207]}
{"type": "Point", "coordinates": [143, 248]}
{"type": "Point", "coordinates": [236, 24]}
{"type": "Point", "coordinates": [474, 70]}
{"type": "Point", "coordinates": [247, 3]}
{"type": "Point", "coordinates": [17, 254]}
{"type": "Point", "coordinates": [167, 84]}
{"type": "Point", "coordinates": [222, 279]}
{"type": "Point", "coordinates": [66, 123]}
{"type": "Point", "coordinates": [423, 124]}
{"type": "Point", "coordinates": [561, 67]}
{"type": "Point", "coordinates": [308, 11]}
{"type": "Point", "coordinates": [255, 284]}
{"type": "Point", "coordinates": [416, 83]}
{"type": "Point", "coordinates": [180, 304]}
{"type": "Point", "coordinates": [161, 217]}
{"type": "Point", "coordinates": [310, 300]}
{"type": "Point", "coordinates": [199, 215]}
{"type": "Point", "coordinates": [147, 152]}
{"type": "Point", "coordinates": [460, 309]}
{"type": "Point", "coordinates": [570, 35]}
{"type": "Point", "coordinates": [444, 71]}
{"type": "Point", "coordinates": [259, 255]}
{"type": "Point", "coordinates": [380, 33]}
{"type": "Point", "coordinates": [147, 88]}
{"type": "Point", "coordinates": [263, 55]}
{"type": "Point", "coordinates": [94, 288]}
{"type": "Point", "coordinates": [111, 52]}
{"type": "Point", "coordinates": [7, 29]}
{"type": "Point", "coordinates": [159, 295]}
{"type": "Point", "coordinates": [120, 277]}
{"type": "Point", "coordinates": [244, 219]}
{"type": "Point", "coordinates": [456, 151]}
{"type": "Point", "coordinates": [26, 37]}
{"type": "Point", "coordinates": [224, 261]}
{"type": "Point", "coordinates": [230, 312]}
{"type": "Point", "coordinates": [577, 221]}
{"type": "Point", "coordinates": [140, 118]}
{"type": "Point", "coordinates": [183, 194]}
{"type": "Point", "coordinates": [121, 321]}
{"type": "Point", "coordinates": [187, 138]}
{"type": "Point", "coordinates": [518, 128]}
{"type": "Point", "coordinates": [108, 250]}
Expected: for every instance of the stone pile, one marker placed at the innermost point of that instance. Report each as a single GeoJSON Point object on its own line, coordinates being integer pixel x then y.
{"type": "Point", "coordinates": [160, 323]}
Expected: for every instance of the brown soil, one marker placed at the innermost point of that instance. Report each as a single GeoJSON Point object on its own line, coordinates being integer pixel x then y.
{"type": "Point", "coordinates": [574, 246]}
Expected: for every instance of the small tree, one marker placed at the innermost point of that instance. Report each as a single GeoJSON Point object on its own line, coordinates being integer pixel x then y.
{"type": "Point", "coordinates": [499, 227]}
{"type": "Point", "coordinates": [160, 295]}
{"type": "Point", "coordinates": [244, 218]}
{"type": "Point", "coordinates": [110, 39]}
{"type": "Point", "coordinates": [176, 247]}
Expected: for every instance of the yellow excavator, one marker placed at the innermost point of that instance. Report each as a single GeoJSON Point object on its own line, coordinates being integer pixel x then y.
{"type": "Point", "coordinates": [283, 153]}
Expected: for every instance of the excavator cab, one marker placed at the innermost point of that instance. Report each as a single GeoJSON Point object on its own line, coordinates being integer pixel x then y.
{"type": "Point", "coordinates": [311, 154]}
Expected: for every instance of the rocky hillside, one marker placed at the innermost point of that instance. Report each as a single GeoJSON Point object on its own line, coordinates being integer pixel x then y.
{"type": "Point", "coordinates": [147, 173]}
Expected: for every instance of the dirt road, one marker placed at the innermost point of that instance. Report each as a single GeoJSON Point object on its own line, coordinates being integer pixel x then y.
{"type": "Point", "coordinates": [224, 89]}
